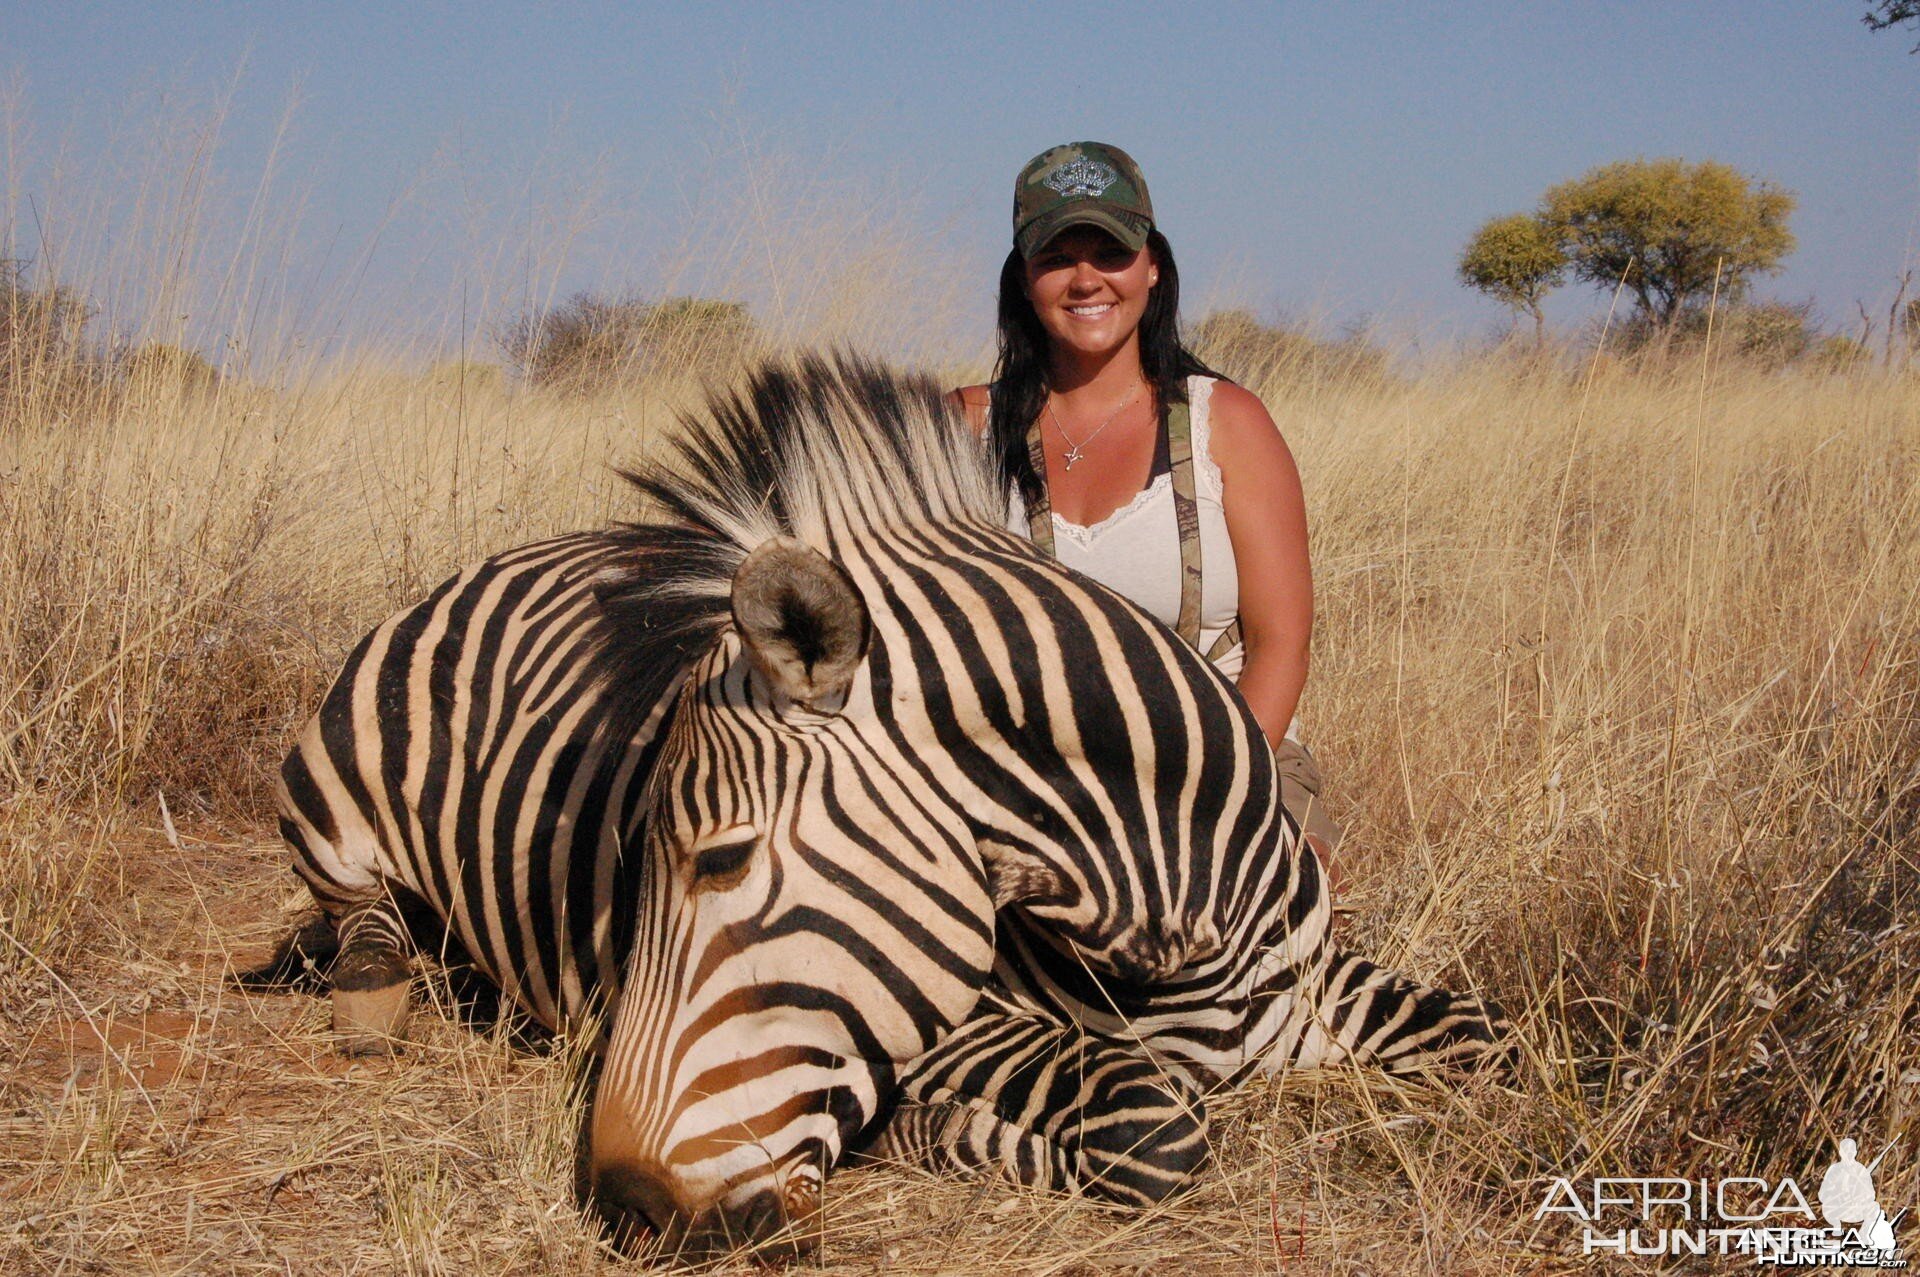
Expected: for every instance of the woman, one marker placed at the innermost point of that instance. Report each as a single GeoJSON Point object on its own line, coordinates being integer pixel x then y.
{"type": "Point", "coordinates": [1105, 426]}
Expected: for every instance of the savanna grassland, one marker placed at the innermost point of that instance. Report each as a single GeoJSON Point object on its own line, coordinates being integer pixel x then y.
{"type": "Point", "coordinates": [1616, 685]}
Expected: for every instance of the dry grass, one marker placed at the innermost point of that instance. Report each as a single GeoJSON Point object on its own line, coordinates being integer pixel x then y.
{"type": "Point", "coordinates": [1617, 687]}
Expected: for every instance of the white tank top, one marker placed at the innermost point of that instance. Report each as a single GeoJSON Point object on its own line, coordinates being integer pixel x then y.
{"type": "Point", "coordinates": [1135, 551]}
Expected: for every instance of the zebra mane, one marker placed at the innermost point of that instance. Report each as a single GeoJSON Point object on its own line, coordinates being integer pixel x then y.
{"type": "Point", "coordinates": [817, 448]}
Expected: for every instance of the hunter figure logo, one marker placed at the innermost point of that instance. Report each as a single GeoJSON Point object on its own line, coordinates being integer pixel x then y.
{"type": "Point", "coordinates": [1770, 1220]}
{"type": "Point", "coordinates": [1083, 176]}
{"type": "Point", "coordinates": [1847, 1200]}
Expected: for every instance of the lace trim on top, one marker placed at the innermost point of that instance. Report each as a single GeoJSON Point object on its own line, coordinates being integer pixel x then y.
{"type": "Point", "coordinates": [1141, 500]}
{"type": "Point", "coordinates": [1206, 476]}
{"type": "Point", "coordinates": [1206, 472]}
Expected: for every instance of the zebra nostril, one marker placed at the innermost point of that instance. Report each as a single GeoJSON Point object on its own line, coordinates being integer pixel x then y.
{"type": "Point", "coordinates": [634, 1207]}
{"type": "Point", "coordinates": [638, 1210]}
{"type": "Point", "coordinates": [767, 1224]}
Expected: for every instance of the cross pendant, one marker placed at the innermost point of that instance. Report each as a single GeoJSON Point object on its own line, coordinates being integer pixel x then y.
{"type": "Point", "coordinates": [1072, 455]}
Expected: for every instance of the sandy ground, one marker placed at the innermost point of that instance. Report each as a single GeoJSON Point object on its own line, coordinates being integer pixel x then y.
{"type": "Point", "coordinates": [153, 1118]}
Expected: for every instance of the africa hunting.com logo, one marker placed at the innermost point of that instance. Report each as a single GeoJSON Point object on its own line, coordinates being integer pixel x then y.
{"type": "Point", "coordinates": [1740, 1215]}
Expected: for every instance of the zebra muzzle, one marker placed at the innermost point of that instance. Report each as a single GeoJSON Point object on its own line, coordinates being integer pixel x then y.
{"type": "Point", "coordinates": [766, 1223]}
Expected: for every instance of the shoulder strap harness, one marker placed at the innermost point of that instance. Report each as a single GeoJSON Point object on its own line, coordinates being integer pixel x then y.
{"type": "Point", "coordinates": [1186, 515]}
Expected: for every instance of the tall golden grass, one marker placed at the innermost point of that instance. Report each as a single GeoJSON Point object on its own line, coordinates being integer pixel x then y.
{"type": "Point", "coordinates": [1616, 685]}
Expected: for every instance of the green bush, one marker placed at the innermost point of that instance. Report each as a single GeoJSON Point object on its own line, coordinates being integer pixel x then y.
{"type": "Point", "coordinates": [159, 364]}
{"type": "Point", "coordinates": [1255, 353]}
{"type": "Point", "coordinates": [38, 322]}
{"type": "Point", "coordinates": [1771, 334]}
{"type": "Point", "coordinates": [42, 341]}
{"type": "Point", "coordinates": [1766, 335]}
{"type": "Point", "coordinates": [591, 341]}
{"type": "Point", "coordinates": [1837, 352]}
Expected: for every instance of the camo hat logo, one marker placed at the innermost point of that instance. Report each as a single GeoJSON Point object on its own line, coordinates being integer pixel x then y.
{"type": "Point", "coordinates": [1080, 184]}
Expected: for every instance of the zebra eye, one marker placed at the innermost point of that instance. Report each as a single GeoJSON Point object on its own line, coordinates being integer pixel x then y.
{"type": "Point", "coordinates": [725, 863]}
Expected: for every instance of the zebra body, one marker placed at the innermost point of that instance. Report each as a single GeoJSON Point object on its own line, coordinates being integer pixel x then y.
{"type": "Point", "coordinates": [457, 759]}
{"type": "Point", "coordinates": [844, 805]}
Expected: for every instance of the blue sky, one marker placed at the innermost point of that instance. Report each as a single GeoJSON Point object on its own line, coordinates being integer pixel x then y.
{"type": "Point", "coordinates": [1313, 159]}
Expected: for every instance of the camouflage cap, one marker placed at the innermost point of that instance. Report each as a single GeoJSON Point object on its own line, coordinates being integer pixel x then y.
{"type": "Point", "coordinates": [1080, 184]}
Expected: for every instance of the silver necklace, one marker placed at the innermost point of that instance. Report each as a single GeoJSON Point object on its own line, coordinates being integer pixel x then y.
{"type": "Point", "coordinates": [1073, 453]}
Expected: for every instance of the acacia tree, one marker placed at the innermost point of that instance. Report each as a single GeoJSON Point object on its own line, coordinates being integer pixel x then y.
{"type": "Point", "coordinates": [1516, 260]}
{"type": "Point", "coordinates": [1668, 229]}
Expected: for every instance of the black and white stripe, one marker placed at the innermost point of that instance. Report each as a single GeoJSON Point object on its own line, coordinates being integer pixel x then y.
{"type": "Point", "coordinates": [787, 779]}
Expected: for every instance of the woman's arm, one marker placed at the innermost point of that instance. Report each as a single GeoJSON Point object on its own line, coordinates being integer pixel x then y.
{"type": "Point", "coordinates": [1267, 522]}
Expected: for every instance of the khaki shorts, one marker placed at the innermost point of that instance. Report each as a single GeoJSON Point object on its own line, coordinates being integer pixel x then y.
{"type": "Point", "coordinates": [1300, 793]}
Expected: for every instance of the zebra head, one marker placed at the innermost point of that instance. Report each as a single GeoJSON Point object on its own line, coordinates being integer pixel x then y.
{"type": "Point", "coordinates": [809, 926]}
{"type": "Point", "coordinates": [907, 750]}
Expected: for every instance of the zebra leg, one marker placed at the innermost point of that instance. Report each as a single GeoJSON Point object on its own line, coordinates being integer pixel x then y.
{"type": "Point", "coordinates": [1049, 1107]}
{"type": "Point", "coordinates": [372, 979]}
{"type": "Point", "coordinates": [1369, 1015]}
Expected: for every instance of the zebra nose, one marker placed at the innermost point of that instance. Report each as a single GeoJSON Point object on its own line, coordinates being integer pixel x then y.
{"type": "Point", "coordinates": [769, 1223]}
{"type": "Point", "coordinates": [634, 1205]}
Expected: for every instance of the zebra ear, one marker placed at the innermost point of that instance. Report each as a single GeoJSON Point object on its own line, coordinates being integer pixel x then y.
{"type": "Point", "coordinates": [803, 623]}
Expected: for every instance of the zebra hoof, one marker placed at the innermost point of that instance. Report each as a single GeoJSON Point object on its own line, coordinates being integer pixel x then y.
{"type": "Point", "coordinates": [370, 1021]}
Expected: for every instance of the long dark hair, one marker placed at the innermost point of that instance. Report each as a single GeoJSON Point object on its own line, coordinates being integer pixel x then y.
{"type": "Point", "coordinates": [1020, 373]}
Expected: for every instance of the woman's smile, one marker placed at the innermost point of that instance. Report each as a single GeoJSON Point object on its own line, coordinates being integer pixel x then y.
{"type": "Point", "coordinates": [1089, 290]}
